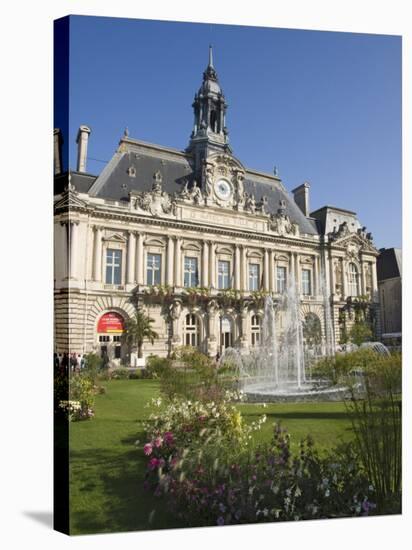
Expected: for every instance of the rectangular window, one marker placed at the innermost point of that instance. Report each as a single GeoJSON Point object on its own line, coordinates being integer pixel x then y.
{"type": "Point", "coordinates": [306, 282]}
{"type": "Point", "coordinates": [113, 266]}
{"type": "Point", "coordinates": [117, 352]}
{"type": "Point", "coordinates": [191, 277]}
{"type": "Point", "coordinates": [223, 277]}
{"type": "Point", "coordinates": [254, 276]}
{"type": "Point", "coordinates": [280, 279]}
{"type": "Point", "coordinates": [153, 271]}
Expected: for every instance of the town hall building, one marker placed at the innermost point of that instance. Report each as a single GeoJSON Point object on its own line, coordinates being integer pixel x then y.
{"type": "Point", "coordinates": [197, 240]}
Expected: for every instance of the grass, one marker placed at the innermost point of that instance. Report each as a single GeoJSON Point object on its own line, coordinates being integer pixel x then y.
{"type": "Point", "coordinates": [107, 470]}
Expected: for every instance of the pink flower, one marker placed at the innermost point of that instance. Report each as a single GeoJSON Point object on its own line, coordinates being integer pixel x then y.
{"type": "Point", "coordinates": [153, 463]}
{"type": "Point", "coordinates": [158, 442]}
{"type": "Point", "coordinates": [168, 438]}
{"type": "Point", "coordinates": [147, 449]}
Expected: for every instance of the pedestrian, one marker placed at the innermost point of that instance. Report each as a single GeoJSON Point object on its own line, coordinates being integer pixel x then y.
{"type": "Point", "coordinates": [82, 362]}
{"type": "Point", "coordinates": [217, 357]}
{"type": "Point", "coordinates": [65, 363]}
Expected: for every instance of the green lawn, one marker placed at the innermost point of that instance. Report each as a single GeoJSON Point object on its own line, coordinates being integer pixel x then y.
{"type": "Point", "coordinates": [106, 485]}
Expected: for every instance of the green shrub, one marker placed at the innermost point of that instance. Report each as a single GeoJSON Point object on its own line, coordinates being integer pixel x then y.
{"type": "Point", "coordinates": [120, 374]}
{"type": "Point", "coordinates": [93, 364]}
{"type": "Point", "coordinates": [80, 402]}
{"type": "Point", "coordinates": [360, 332]}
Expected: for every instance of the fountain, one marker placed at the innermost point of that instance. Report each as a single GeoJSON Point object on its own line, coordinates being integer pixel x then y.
{"type": "Point", "coordinates": [275, 370]}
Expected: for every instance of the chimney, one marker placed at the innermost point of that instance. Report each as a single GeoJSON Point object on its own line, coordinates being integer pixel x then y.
{"type": "Point", "coordinates": [58, 141]}
{"type": "Point", "coordinates": [82, 141]}
{"type": "Point", "coordinates": [301, 196]}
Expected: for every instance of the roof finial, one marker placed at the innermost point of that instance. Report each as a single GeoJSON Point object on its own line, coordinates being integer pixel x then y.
{"type": "Point", "coordinates": [210, 56]}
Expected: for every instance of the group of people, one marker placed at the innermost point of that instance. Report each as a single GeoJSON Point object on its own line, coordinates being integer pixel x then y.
{"type": "Point", "coordinates": [66, 362]}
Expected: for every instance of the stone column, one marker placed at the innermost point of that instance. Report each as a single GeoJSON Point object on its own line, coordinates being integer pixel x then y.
{"type": "Point", "coordinates": [178, 266]}
{"type": "Point", "coordinates": [363, 266]}
{"type": "Point", "coordinates": [140, 259]}
{"type": "Point", "coordinates": [169, 262]}
{"type": "Point", "coordinates": [73, 248]}
{"type": "Point", "coordinates": [272, 271]}
{"type": "Point", "coordinates": [291, 268]}
{"type": "Point", "coordinates": [205, 264]}
{"type": "Point", "coordinates": [212, 259]}
{"type": "Point", "coordinates": [243, 268]}
{"type": "Point", "coordinates": [298, 274]}
{"type": "Point", "coordinates": [344, 280]}
{"type": "Point", "coordinates": [237, 268]}
{"type": "Point", "coordinates": [374, 282]}
{"type": "Point", "coordinates": [65, 249]}
{"type": "Point", "coordinates": [315, 277]}
{"type": "Point", "coordinates": [131, 249]}
{"type": "Point", "coordinates": [211, 336]}
{"type": "Point", "coordinates": [244, 343]}
{"type": "Point", "coordinates": [266, 270]}
{"type": "Point", "coordinates": [97, 254]}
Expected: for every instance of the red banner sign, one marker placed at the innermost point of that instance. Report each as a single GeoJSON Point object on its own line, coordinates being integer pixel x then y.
{"type": "Point", "coordinates": [110, 322]}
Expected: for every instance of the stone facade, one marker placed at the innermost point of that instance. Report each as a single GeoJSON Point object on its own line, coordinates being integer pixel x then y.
{"type": "Point", "coordinates": [197, 240]}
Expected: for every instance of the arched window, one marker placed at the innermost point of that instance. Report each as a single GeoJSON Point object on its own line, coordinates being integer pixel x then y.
{"type": "Point", "coordinates": [353, 280]}
{"type": "Point", "coordinates": [225, 333]}
{"type": "Point", "coordinates": [192, 335]}
{"type": "Point", "coordinates": [255, 325]}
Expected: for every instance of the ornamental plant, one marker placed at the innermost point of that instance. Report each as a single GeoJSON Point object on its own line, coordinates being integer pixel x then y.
{"type": "Point", "coordinates": [214, 475]}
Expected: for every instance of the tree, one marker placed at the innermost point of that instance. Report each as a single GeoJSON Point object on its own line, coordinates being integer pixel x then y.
{"type": "Point", "coordinates": [360, 332]}
{"type": "Point", "coordinates": [137, 329]}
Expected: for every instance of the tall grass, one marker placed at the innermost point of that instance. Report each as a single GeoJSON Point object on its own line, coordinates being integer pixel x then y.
{"type": "Point", "coordinates": [376, 417]}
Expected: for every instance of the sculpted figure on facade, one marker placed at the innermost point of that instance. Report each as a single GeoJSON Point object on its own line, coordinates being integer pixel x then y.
{"type": "Point", "coordinates": [281, 223]}
{"type": "Point", "coordinates": [250, 203]}
{"type": "Point", "coordinates": [207, 178]}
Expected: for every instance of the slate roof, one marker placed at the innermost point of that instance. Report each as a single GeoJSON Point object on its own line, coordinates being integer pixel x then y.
{"type": "Point", "coordinates": [115, 181]}
{"type": "Point", "coordinates": [389, 263]}
{"type": "Point", "coordinates": [80, 180]}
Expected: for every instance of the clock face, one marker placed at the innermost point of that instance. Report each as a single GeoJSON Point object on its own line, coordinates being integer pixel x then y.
{"type": "Point", "coordinates": [223, 189]}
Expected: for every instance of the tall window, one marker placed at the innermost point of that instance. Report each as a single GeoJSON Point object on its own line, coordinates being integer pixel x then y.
{"type": "Point", "coordinates": [154, 266]}
{"type": "Point", "coordinates": [280, 279]}
{"type": "Point", "coordinates": [223, 277]}
{"type": "Point", "coordinates": [254, 276]}
{"type": "Point", "coordinates": [191, 272]}
{"type": "Point", "coordinates": [353, 280]}
{"type": "Point", "coordinates": [255, 330]}
{"type": "Point", "coordinates": [191, 330]}
{"type": "Point", "coordinates": [113, 266]}
{"type": "Point", "coordinates": [306, 282]}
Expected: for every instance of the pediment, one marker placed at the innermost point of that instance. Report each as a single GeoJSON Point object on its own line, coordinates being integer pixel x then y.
{"type": "Point", "coordinates": [68, 201]}
{"type": "Point", "coordinates": [224, 250]}
{"type": "Point", "coordinates": [154, 242]}
{"type": "Point", "coordinates": [191, 246]}
{"type": "Point", "coordinates": [354, 240]}
{"type": "Point", "coordinates": [115, 237]}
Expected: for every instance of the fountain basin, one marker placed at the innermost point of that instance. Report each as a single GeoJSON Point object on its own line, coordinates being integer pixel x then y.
{"type": "Point", "coordinates": [304, 394]}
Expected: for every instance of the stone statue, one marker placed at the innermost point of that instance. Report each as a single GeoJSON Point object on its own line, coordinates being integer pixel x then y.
{"type": "Point", "coordinates": [250, 203]}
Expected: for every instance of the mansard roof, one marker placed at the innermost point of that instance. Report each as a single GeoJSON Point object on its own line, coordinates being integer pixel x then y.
{"type": "Point", "coordinates": [133, 165]}
{"type": "Point", "coordinates": [389, 263]}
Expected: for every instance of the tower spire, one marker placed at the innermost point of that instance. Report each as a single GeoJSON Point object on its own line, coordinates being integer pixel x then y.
{"type": "Point", "coordinates": [209, 129]}
{"type": "Point", "coordinates": [211, 56]}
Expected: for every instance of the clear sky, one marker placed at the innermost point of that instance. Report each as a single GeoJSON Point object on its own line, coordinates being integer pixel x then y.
{"type": "Point", "coordinates": [323, 107]}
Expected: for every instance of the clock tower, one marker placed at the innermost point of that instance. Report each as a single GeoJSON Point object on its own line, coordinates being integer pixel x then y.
{"type": "Point", "coordinates": [209, 134]}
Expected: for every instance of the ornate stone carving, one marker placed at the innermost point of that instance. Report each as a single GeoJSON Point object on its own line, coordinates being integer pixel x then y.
{"type": "Point", "coordinates": [175, 309]}
{"type": "Point", "coordinates": [250, 203]}
{"type": "Point", "coordinates": [191, 193]}
{"type": "Point", "coordinates": [156, 201]}
{"type": "Point", "coordinates": [342, 231]}
{"type": "Point", "coordinates": [281, 223]}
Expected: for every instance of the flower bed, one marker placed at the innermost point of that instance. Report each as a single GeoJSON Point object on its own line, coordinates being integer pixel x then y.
{"type": "Point", "coordinates": [201, 457]}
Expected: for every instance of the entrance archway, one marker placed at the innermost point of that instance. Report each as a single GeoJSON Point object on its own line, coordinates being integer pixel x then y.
{"type": "Point", "coordinates": [110, 328]}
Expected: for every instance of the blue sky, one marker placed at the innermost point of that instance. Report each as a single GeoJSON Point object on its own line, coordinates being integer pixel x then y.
{"type": "Point", "coordinates": [323, 107]}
